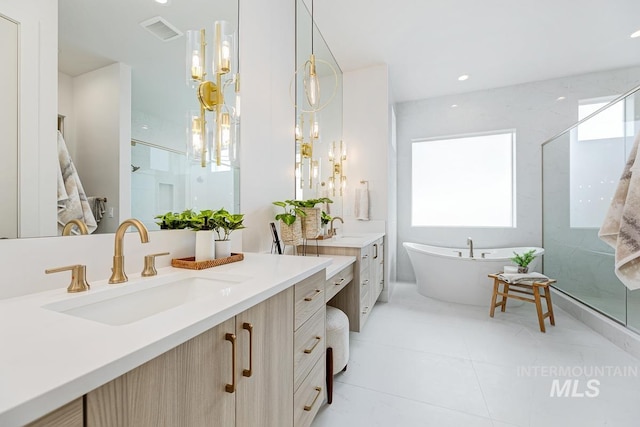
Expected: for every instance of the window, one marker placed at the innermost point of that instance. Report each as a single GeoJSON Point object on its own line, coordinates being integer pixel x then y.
{"type": "Point", "coordinates": [464, 181]}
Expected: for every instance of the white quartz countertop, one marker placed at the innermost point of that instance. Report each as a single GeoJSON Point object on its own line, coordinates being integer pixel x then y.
{"type": "Point", "coordinates": [50, 358]}
{"type": "Point", "coordinates": [359, 240]}
{"type": "Point", "coordinates": [338, 262]}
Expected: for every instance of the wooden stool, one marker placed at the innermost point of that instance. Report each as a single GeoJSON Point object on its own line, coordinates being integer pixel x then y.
{"type": "Point", "coordinates": [533, 289]}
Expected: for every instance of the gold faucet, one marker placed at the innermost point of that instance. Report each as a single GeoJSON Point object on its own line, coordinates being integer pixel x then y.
{"type": "Point", "coordinates": [78, 277]}
{"type": "Point", "coordinates": [118, 275]}
{"type": "Point", "coordinates": [332, 231]}
{"type": "Point", "coordinates": [82, 227]}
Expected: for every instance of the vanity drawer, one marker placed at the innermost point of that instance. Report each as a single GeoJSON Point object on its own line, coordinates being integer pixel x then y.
{"type": "Point", "coordinates": [337, 282]}
{"type": "Point", "coordinates": [309, 297]}
{"type": "Point", "coordinates": [309, 397]}
{"type": "Point", "coordinates": [365, 281]}
{"type": "Point", "coordinates": [309, 343]}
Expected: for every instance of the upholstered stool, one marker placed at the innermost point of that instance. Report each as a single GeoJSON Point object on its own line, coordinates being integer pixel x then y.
{"type": "Point", "coordinates": [337, 346]}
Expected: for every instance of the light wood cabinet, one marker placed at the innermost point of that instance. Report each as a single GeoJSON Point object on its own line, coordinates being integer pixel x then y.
{"type": "Point", "coordinates": [199, 383]}
{"type": "Point", "coordinates": [358, 298]}
{"type": "Point", "coordinates": [70, 415]}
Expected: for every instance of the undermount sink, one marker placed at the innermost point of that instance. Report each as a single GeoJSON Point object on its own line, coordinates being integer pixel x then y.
{"type": "Point", "coordinates": [137, 301]}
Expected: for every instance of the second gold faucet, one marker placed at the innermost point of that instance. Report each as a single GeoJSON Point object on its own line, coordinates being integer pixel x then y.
{"type": "Point", "coordinates": [118, 275]}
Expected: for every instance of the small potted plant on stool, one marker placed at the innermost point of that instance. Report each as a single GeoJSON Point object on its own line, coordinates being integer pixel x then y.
{"type": "Point", "coordinates": [523, 260]}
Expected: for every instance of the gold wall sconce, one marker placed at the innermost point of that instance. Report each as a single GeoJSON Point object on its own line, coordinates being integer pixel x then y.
{"type": "Point", "coordinates": [306, 165]}
{"type": "Point", "coordinates": [336, 161]}
{"type": "Point", "coordinates": [210, 94]}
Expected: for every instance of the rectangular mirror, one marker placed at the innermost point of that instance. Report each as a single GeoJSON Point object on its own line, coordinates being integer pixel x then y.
{"type": "Point", "coordinates": [125, 107]}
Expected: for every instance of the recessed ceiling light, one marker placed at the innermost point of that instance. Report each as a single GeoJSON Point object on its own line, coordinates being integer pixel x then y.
{"type": "Point", "coordinates": [454, 105]}
{"type": "Point", "coordinates": [165, 2]}
{"type": "Point", "coordinates": [560, 98]}
{"type": "Point", "coordinates": [463, 77]}
{"type": "Point", "coordinates": [635, 35]}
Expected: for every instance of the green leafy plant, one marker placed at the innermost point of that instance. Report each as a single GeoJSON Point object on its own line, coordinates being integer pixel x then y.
{"type": "Point", "coordinates": [310, 203]}
{"type": "Point", "coordinates": [524, 259]}
{"type": "Point", "coordinates": [174, 220]}
{"type": "Point", "coordinates": [291, 211]}
{"type": "Point", "coordinates": [325, 218]}
{"type": "Point", "coordinates": [204, 220]}
{"type": "Point", "coordinates": [224, 223]}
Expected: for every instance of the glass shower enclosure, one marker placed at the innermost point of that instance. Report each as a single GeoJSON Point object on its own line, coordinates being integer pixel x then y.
{"type": "Point", "coordinates": [581, 169]}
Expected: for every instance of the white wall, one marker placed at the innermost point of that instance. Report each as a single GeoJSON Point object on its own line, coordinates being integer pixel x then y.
{"type": "Point", "coordinates": [102, 106]}
{"type": "Point", "coordinates": [368, 128]}
{"type": "Point", "coordinates": [38, 40]}
{"type": "Point", "coordinates": [536, 114]}
{"type": "Point", "coordinates": [267, 49]}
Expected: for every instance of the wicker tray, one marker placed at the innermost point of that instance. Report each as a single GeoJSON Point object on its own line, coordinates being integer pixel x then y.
{"type": "Point", "coordinates": [192, 264]}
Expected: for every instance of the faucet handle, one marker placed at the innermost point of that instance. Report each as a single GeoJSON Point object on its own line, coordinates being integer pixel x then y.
{"type": "Point", "coordinates": [150, 264]}
{"type": "Point", "coordinates": [78, 277]}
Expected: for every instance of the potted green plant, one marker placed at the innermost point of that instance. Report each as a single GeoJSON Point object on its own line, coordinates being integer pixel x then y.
{"type": "Point", "coordinates": [174, 220]}
{"type": "Point", "coordinates": [224, 223]}
{"type": "Point", "coordinates": [290, 227]}
{"type": "Point", "coordinates": [311, 225]}
{"type": "Point", "coordinates": [202, 223]}
{"type": "Point", "coordinates": [325, 219]}
{"type": "Point", "coordinates": [523, 260]}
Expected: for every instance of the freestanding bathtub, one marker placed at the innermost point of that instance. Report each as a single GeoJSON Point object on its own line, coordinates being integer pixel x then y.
{"type": "Point", "coordinates": [449, 274]}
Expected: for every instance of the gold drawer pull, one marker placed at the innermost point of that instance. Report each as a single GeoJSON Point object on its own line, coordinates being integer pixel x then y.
{"type": "Point", "coordinates": [309, 407]}
{"type": "Point", "coordinates": [313, 294]}
{"type": "Point", "coordinates": [366, 310]}
{"type": "Point", "coordinates": [313, 347]}
{"type": "Point", "coordinates": [340, 282]}
{"type": "Point", "coordinates": [365, 283]}
{"type": "Point", "coordinates": [249, 327]}
{"type": "Point", "coordinates": [365, 256]}
{"type": "Point", "coordinates": [230, 388]}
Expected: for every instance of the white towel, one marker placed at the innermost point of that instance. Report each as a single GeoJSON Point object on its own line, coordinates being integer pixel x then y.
{"type": "Point", "coordinates": [75, 204]}
{"type": "Point", "coordinates": [621, 226]}
{"type": "Point", "coordinates": [98, 207]}
{"type": "Point", "coordinates": [523, 278]}
{"type": "Point", "coordinates": [361, 209]}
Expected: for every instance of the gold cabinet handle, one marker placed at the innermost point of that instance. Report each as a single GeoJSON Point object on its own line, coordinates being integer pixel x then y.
{"type": "Point", "coordinates": [230, 388]}
{"type": "Point", "coordinates": [366, 310]}
{"type": "Point", "coordinates": [375, 245]}
{"type": "Point", "coordinates": [366, 282]}
{"type": "Point", "coordinates": [340, 282]}
{"type": "Point", "coordinates": [249, 327]}
{"type": "Point", "coordinates": [313, 294]}
{"type": "Point", "coordinates": [313, 347]}
{"type": "Point", "coordinates": [309, 407]}
{"type": "Point", "coordinates": [365, 256]}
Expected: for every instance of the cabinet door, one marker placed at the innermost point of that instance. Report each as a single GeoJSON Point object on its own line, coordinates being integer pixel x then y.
{"type": "Point", "coordinates": [265, 348]}
{"type": "Point", "coordinates": [70, 415]}
{"type": "Point", "coordinates": [145, 396]}
{"type": "Point", "coordinates": [183, 387]}
{"type": "Point", "coordinates": [205, 368]}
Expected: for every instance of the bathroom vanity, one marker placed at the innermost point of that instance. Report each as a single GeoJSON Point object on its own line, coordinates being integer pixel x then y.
{"type": "Point", "coordinates": [357, 300]}
{"type": "Point", "coordinates": [241, 344]}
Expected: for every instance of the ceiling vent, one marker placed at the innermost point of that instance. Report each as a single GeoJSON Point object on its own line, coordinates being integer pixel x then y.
{"type": "Point", "coordinates": [162, 29]}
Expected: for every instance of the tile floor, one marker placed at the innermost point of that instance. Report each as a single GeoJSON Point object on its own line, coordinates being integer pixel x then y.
{"type": "Point", "coordinates": [421, 362]}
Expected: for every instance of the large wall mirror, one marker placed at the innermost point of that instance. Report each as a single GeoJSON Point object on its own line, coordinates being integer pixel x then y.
{"type": "Point", "coordinates": [127, 112]}
{"type": "Point", "coordinates": [321, 155]}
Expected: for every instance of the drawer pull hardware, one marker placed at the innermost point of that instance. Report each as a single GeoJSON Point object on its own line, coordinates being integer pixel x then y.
{"type": "Point", "coordinates": [313, 347]}
{"type": "Point", "coordinates": [366, 310]}
{"type": "Point", "coordinates": [309, 407]}
{"type": "Point", "coordinates": [313, 294]}
{"type": "Point", "coordinates": [339, 282]}
{"type": "Point", "coordinates": [365, 283]}
{"type": "Point", "coordinates": [365, 256]}
{"type": "Point", "coordinates": [249, 327]}
{"type": "Point", "coordinates": [375, 245]}
{"type": "Point", "coordinates": [230, 388]}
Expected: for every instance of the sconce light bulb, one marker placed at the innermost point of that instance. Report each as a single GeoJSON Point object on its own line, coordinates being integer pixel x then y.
{"type": "Point", "coordinates": [298, 133]}
{"type": "Point", "coordinates": [315, 130]}
{"type": "Point", "coordinates": [225, 125]}
{"type": "Point", "coordinates": [196, 68]}
{"type": "Point", "coordinates": [312, 83]}
{"type": "Point", "coordinates": [225, 64]}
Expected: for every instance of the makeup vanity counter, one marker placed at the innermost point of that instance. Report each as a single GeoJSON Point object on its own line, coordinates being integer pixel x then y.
{"type": "Point", "coordinates": [51, 357]}
{"type": "Point", "coordinates": [358, 299]}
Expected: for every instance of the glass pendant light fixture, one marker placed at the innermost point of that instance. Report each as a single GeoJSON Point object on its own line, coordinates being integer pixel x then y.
{"type": "Point", "coordinates": [210, 94]}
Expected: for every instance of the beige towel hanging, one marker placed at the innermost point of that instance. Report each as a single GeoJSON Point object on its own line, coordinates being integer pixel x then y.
{"type": "Point", "coordinates": [621, 226]}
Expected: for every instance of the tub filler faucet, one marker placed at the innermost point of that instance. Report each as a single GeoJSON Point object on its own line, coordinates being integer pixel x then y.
{"type": "Point", "coordinates": [470, 244]}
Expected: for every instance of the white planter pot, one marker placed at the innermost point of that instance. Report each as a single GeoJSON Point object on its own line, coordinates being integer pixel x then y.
{"type": "Point", "coordinates": [223, 248]}
{"type": "Point", "coordinates": [205, 248]}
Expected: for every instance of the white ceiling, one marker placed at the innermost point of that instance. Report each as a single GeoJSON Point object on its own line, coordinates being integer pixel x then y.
{"type": "Point", "coordinates": [429, 43]}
